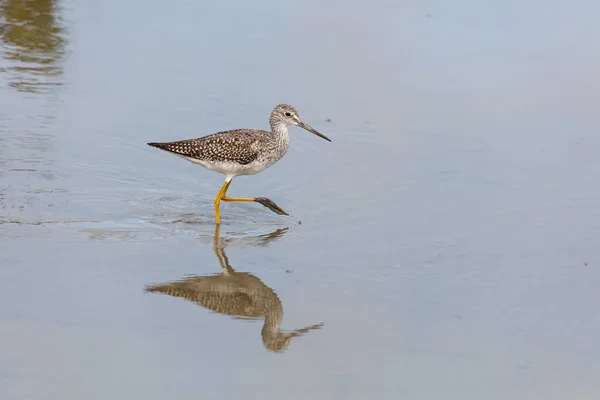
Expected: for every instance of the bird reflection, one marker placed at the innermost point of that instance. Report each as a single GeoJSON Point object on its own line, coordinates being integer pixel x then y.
{"type": "Point", "coordinates": [238, 294]}
{"type": "Point", "coordinates": [33, 42]}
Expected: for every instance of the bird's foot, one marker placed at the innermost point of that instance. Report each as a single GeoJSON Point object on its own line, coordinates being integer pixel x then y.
{"type": "Point", "coordinates": [270, 205]}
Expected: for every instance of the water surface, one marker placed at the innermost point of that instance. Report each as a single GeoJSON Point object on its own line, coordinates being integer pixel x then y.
{"type": "Point", "coordinates": [446, 239]}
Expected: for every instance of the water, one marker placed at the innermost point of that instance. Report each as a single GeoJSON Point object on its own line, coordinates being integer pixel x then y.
{"type": "Point", "coordinates": [446, 239]}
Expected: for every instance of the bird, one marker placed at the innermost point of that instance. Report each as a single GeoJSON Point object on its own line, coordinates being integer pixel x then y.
{"type": "Point", "coordinates": [241, 152]}
{"type": "Point", "coordinates": [237, 294]}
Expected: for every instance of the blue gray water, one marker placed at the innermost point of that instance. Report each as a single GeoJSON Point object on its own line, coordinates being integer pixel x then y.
{"type": "Point", "coordinates": [447, 238]}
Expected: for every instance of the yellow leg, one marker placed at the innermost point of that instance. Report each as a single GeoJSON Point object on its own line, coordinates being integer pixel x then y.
{"type": "Point", "coordinates": [223, 196]}
{"type": "Point", "coordinates": [238, 199]}
{"type": "Point", "coordinates": [220, 196]}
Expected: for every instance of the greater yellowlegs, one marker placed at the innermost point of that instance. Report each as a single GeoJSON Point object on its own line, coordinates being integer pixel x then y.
{"type": "Point", "coordinates": [241, 152]}
{"type": "Point", "coordinates": [237, 294]}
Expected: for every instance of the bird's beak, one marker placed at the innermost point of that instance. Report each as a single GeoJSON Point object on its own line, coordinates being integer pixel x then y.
{"type": "Point", "coordinates": [311, 130]}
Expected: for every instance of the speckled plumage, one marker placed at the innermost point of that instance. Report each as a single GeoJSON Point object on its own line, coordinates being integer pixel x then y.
{"type": "Point", "coordinates": [241, 151]}
{"type": "Point", "coordinates": [241, 146]}
{"type": "Point", "coordinates": [238, 151]}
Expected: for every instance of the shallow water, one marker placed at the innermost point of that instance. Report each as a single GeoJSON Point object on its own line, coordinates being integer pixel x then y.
{"type": "Point", "coordinates": [446, 239]}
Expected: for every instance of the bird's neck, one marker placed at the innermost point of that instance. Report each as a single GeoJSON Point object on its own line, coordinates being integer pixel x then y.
{"type": "Point", "coordinates": [279, 128]}
{"type": "Point", "coordinates": [281, 133]}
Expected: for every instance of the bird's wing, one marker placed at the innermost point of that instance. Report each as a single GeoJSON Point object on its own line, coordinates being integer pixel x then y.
{"type": "Point", "coordinates": [239, 146]}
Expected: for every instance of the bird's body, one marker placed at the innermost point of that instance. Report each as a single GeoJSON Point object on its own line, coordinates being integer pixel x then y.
{"type": "Point", "coordinates": [233, 153]}
{"type": "Point", "coordinates": [241, 151]}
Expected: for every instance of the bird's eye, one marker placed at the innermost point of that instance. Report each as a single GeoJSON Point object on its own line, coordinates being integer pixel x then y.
{"type": "Point", "coordinates": [287, 114]}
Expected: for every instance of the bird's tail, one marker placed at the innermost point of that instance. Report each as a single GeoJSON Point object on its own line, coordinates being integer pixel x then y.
{"type": "Point", "coordinates": [158, 145]}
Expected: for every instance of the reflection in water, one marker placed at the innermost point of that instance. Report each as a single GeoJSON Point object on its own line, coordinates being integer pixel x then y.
{"type": "Point", "coordinates": [33, 43]}
{"type": "Point", "coordinates": [239, 294]}
{"type": "Point", "coordinates": [254, 241]}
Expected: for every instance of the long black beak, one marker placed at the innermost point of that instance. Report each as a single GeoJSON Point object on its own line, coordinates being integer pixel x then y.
{"type": "Point", "coordinates": [311, 130]}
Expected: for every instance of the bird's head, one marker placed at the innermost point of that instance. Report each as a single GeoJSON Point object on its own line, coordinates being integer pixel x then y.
{"type": "Point", "coordinates": [285, 114]}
